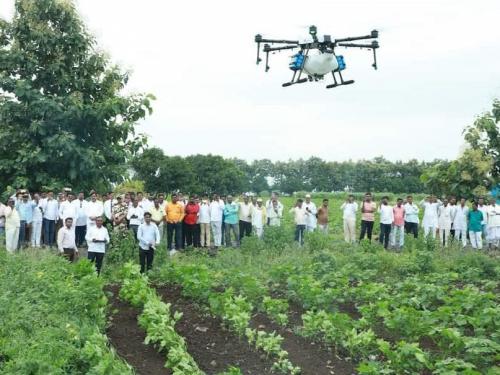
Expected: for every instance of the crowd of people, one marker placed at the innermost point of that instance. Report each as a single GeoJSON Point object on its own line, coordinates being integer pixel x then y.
{"type": "Point", "coordinates": [70, 220]}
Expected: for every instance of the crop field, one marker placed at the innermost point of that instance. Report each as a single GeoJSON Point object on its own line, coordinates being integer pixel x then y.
{"type": "Point", "coordinates": [269, 307]}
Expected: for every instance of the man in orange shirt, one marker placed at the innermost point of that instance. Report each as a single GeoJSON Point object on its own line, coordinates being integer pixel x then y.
{"type": "Point", "coordinates": [174, 213]}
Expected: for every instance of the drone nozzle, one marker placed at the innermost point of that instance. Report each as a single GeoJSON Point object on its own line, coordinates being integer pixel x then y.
{"type": "Point", "coordinates": [313, 30]}
{"type": "Point", "coordinates": [374, 34]}
{"type": "Point", "coordinates": [375, 44]}
{"type": "Point", "coordinates": [258, 38]}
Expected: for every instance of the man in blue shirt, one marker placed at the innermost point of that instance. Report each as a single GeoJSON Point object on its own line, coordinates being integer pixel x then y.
{"type": "Point", "coordinates": [231, 221]}
{"type": "Point", "coordinates": [25, 209]}
{"type": "Point", "coordinates": [148, 236]}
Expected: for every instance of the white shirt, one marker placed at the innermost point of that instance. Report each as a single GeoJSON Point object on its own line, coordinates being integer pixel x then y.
{"type": "Point", "coordinates": [67, 209]}
{"type": "Point", "coordinates": [146, 205]}
{"type": "Point", "coordinates": [66, 239]}
{"type": "Point", "coordinates": [147, 234]}
{"type": "Point", "coordinates": [93, 209]}
{"type": "Point", "coordinates": [245, 211]}
{"type": "Point", "coordinates": [204, 213]}
{"type": "Point", "coordinates": [445, 217]}
{"type": "Point", "coordinates": [273, 216]}
{"type": "Point", "coordinates": [137, 211]}
{"type": "Point", "coordinates": [484, 210]}
{"type": "Point", "coordinates": [386, 214]}
{"type": "Point", "coordinates": [50, 210]}
{"type": "Point", "coordinates": [494, 216]}
{"type": "Point", "coordinates": [98, 234]}
{"type": "Point", "coordinates": [460, 222]}
{"type": "Point", "coordinates": [81, 208]}
{"type": "Point", "coordinates": [411, 213]}
{"type": "Point", "coordinates": [349, 210]}
{"type": "Point", "coordinates": [216, 210]}
{"type": "Point", "coordinates": [107, 207]}
{"type": "Point", "coordinates": [37, 213]}
{"type": "Point", "coordinates": [257, 216]}
{"type": "Point", "coordinates": [430, 214]}
{"type": "Point", "coordinates": [299, 215]}
{"type": "Point", "coordinates": [311, 218]}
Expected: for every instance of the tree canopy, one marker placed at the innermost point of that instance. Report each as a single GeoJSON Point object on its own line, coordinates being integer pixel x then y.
{"type": "Point", "coordinates": [64, 118]}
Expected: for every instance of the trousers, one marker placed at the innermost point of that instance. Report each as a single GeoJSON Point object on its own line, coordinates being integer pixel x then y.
{"type": "Point", "coordinates": [385, 232]}
{"type": "Point", "coordinates": [350, 229]}
{"type": "Point", "coordinates": [80, 232]}
{"type": "Point", "coordinates": [177, 228]}
{"type": "Point", "coordinates": [11, 239]}
{"type": "Point", "coordinates": [217, 232]}
{"type": "Point", "coordinates": [411, 228]}
{"type": "Point", "coordinates": [399, 232]}
{"type": "Point", "coordinates": [146, 258]}
{"type": "Point", "coordinates": [245, 229]}
{"type": "Point", "coordinates": [476, 240]}
{"type": "Point", "coordinates": [36, 233]}
{"type": "Point", "coordinates": [236, 231]}
{"type": "Point", "coordinates": [366, 228]}
{"type": "Point", "coordinates": [299, 233]}
{"type": "Point", "coordinates": [205, 234]}
{"type": "Point", "coordinates": [96, 258]}
{"type": "Point", "coordinates": [49, 228]}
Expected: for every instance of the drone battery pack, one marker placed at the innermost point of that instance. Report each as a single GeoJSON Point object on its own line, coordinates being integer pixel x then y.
{"type": "Point", "coordinates": [341, 62]}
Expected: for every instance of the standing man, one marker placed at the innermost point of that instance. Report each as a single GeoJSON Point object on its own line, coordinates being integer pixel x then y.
{"type": "Point", "coordinates": [452, 203]}
{"type": "Point", "coordinates": [311, 218]}
{"type": "Point", "coordinates": [259, 218]}
{"type": "Point", "coordinates": [386, 220]}
{"type": "Point", "coordinates": [481, 206]}
{"type": "Point", "coordinates": [323, 217]}
{"type": "Point", "coordinates": [135, 216]}
{"type": "Point", "coordinates": [97, 237]}
{"type": "Point", "coordinates": [460, 222]}
{"type": "Point", "coordinates": [493, 225]}
{"type": "Point", "coordinates": [368, 208]}
{"type": "Point", "coordinates": [50, 217]}
{"type": "Point", "coordinates": [444, 222]}
{"type": "Point", "coordinates": [68, 210]}
{"type": "Point", "coordinates": [349, 209]}
{"type": "Point", "coordinates": [108, 208]}
{"type": "Point", "coordinates": [2, 221]}
{"type": "Point", "coordinates": [174, 215]}
{"type": "Point", "coordinates": [216, 212]}
{"type": "Point", "coordinates": [12, 225]}
{"type": "Point", "coordinates": [245, 216]}
{"type": "Point", "coordinates": [80, 222]}
{"type": "Point", "coordinates": [25, 209]}
{"type": "Point", "coordinates": [94, 209]}
{"type": "Point", "coordinates": [119, 213]}
{"type": "Point", "coordinates": [430, 220]}
{"type": "Point", "coordinates": [475, 219]}
{"type": "Point", "coordinates": [157, 214]}
{"type": "Point", "coordinates": [191, 211]}
{"type": "Point", "coordinates": [411, 217]}
{"type": "Point", "coordinates": [231, 222]}
{"type": "Point", "coordinates": [275, 213]}
{"type": "Point", "coordinates": [36, 225]}
{"type": "Point", "coordinates": [300, 218]}
{"type": "Point", "coordinates": [204, 220]}
{"type": "Point", "coordinates": [66, 240]}
{"type": "Point", "coordinates": [149, 237]}
{"type": "Point", "coordinates": [273, 204]}
{"type": "Point", "coordinates": [398, 225]}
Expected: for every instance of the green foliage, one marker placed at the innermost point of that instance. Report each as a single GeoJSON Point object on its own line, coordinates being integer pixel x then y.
{"type": "Point", "coordinates": [130, 186]}
{"type": "Point", "coordinates": [64, 117]}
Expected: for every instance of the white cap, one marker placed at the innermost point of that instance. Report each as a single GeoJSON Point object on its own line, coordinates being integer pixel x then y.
{"type": "Point", "coordinates": [308, 195]}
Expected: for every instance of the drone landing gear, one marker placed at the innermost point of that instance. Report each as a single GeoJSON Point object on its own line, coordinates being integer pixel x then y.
{"type": "Point", "coordinates": [336, 83]}
{"type": "Point", "coordinates": [292, 82]}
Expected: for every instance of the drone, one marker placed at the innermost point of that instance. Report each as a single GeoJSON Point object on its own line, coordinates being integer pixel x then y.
{"type": "Point", "coordinates": [316, 56]}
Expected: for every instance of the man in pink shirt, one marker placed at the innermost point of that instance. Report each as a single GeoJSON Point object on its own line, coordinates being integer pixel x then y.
{"type": "Point", "coordinates": [398, 225]}
{"type": "Point", "coordinates": [368, 208]}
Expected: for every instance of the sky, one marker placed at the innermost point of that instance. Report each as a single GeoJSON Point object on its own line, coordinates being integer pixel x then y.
{"type": "Point", "coordinates": [439, 67]}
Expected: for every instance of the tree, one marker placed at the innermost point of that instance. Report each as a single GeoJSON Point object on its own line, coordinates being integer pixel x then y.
{"type": "Point", "coordinates": [63, 117]}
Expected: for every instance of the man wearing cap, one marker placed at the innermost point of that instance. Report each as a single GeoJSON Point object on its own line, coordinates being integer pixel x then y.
{"type": "Point", "coordinates": [66, 240]}
{"type": "Point", "coordinates": [12, 225]}
{"type": "Point", "coordinates": [259, 218]}
{"type": "Point", "coordinates": [148, 236]}
{"type": "Point", "coordinates": [50, 216]}
{"type": "Point", "coordinates": [312, 211]}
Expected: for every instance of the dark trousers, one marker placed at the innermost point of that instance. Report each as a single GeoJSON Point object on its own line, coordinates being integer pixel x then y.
{"type": "Point", "coordinates": [223, 233]}
{"type": "Point", "coordinates": [177, 228]}
{"type": "Point", "coordinates": [189, 232]}
{"type": "Point", "coordinates": [96, 258]}
{"type": "Point", "coordinates": [49, 227]}
{"type": "Point", "coordinates": [146, 258]}
{"type": "Point", "coordinates": [134, 228]}
{"type": "Point", "coordinates": [385, 232]}
{"type": "Point", "coordinates": [299, 233]}
{"type": "Point", "coordinates": [411, 228]}
{"type": "Point", "coordinates": [70, 254]}
{"type": "Point", "coordinates": [197, 235]}
{"type": "Point", "coordinates": [245, 229]}
{"type": "Point", "coordinates": [366, 228]}
{"type": "Point", "coordinates": [184, 235]}
{"type": "Point", "coordinates": [22, 234]}
{"type": "Point", "coordinates": [80, 232]}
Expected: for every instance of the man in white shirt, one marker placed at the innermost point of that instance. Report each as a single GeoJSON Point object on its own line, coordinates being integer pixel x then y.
{"type": "Point", "coordinates": [430, 220]}
{"type": "Point", "coordinates": [300, 218]}
{"type": "Point", "coordinates": [460, 222]}
{"type": "Point", "coordinates": [148, 236]}
{"type": "Point", "coordinates": [66, 240]}
{"type": "Point", "coordinates": [135, 216]}
{"type": "Point", "coordinates": [493, 225]}
{"type": "Point", "coordinates": [386, 219]}
{"type": "Point", "coordinates": [97, 237]}
{"type": "Point", "coordinates": [259, 218]}
{"type": "Point", "coordinates": [245, 217]}
{"type": "Point", "coordinates": [312, 210]}
{"type": "Point", "coordinates": [445, 219]}
{"type": "Point", "coordinates": [411, 217]}
{"type": "Point", "coordinates": [481, 206]}
{"type": "Point", "coordinates": [274, 213]}
{"type": "Point", "coordinates": [94, 209]}
{"type": "Point", "coordinates": [216, 211]}
{"type": "Point", "coordinates": [204, 221]}
{"type": "Point", "coordinates": [108, 207]}
{"type": "Point", "coordinates": [68, 210]}
{"type": "Point", "coordinates": [36, 226]}
{"type": "Point", "coordinates": [80, 205]}
{"type": "Point", "coordinates": [50, 216]}
{"type": "Point", "coordinates": [349, 209]}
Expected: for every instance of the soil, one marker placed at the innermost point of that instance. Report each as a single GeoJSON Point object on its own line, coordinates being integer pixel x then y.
{"type": "Point", "coordinates": [213, 348]}
{"type": "Point", "coordinates": [127, 338]}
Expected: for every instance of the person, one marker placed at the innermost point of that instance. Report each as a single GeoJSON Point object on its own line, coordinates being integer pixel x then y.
{"type": "Point", "coordinates": [68, 209]}
{"type": "Point", "coordinates": [311, 220]}
{"type": "Point", "coordinates": [430, 221]}
{"type": "Point", "coordinates": [386, 220]}
{"type": "Point", "coordinates": [452, 203]}
{"type": "Point", "coordinates": [475, 218]}
{"type": "Point", "coordinates": [81, 218]}
{"type": "Point", "coordinates": [157, 214]}
{"type": "Point", "coordinates": [275, 213]}
{"type": "Point", "coordinates": [411, 217]}
{"type": "Point", "coordinates": [259, 218]}
{"type": "Point", "coordinates": [445, 218]}
{"type": "Point", "coordinates": [460, 222]}
{"type": "Point", "coordinates": [368, 208]}
{"type": "Point", "coordinates": [191, 211]}
{"type": "Point", "coordinates": [66, 240]}
{"type": "Point", "coordinates": [135, 216]}
{"type": "Point", "coordinates": [323, 217]}
{"type": "Point", "coordinates": [50, 217]}
{"type": "Point", "coordinates": [197, 227]}
{"type": "Point", "coordinates": [36, 224]}
{"type": "Point", "coordinates": [148, 236]}
{"type": "Point", "coordinates": [204, 222]}
{"type": "Point", "coordinates": [398, 225]}
{"type": "Point", "coordinates": [2, 221]}
{"type": "Point", "coordinates": [245, 217]}
{"type": "Point", "coordinates": [493, 225]}
{"type": "Point", "coordinates": [12, 225]}
{"type": "Point", "coordinates": [481, 206]}
{"type": "Point", "coordinates": [94, 209]}
{"type": "Point", "coordinates": [231, 220]}
{"type": "Point", "coordinates": [223, 224]}
{"type": "Point", "coordinates": [25, 209]}
{"type": "Point", "coordinates": [119, 213]}
{"type": "Point", "coordinates": [349, 209]}
{"type": "Point", "coordinates": [161, 201]}
{"type": "Point", "coordinates": [97, 237]}
{"type": "Point", "coordinates": [300, 218]}
{"type": "Point", "coordinates": [216, 212]}
{"type": "Point", "coordinates": [147, 203]}
{"type": "Point", "coordinates": [174, 213]}
{"type": "Point", "coordinates": [108, 208]}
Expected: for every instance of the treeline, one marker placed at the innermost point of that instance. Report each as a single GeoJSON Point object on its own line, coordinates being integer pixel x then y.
{"type": "Point", "coordinates": [210, 173]}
